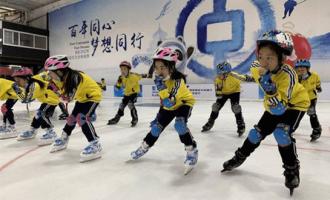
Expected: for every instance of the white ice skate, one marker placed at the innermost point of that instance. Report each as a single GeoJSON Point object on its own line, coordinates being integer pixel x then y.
{"type": "Point", "coordinates": [91, 152]}
{"type": "Point", "coordinates": [191, 159]}
{"type": "Point", "coordinates": [26, 135]}
{"type": "Point", "coordinates": [47, 138]}
{"type": "Point", "coordinates": [60, 143]}
{"type": "Point", "coordinates": [143, 149]}
{"type": "Point", "coordinates": [8, 132]}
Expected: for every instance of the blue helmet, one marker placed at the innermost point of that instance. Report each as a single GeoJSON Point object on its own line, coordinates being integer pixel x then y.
{"type": "Point", "coordinates": [279, 38]}
{"type": "Point", "coordinates": [302, 63]}
{"type": "Point", "coordinates": [223, 68]}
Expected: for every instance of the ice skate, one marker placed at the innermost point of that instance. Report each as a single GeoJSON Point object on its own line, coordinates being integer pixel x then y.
{"type": "Point", "coordinates": [292, 179]}
{"type": "Point", "coordinates": [191, 159]}
{"type": "Point", "coordinates": [208, 125]}
{"type": "Point", "coordinates": [134, 122]}
{"type": "Point", "coordinates": [26, 135]}
{"type": "Point", "coordinates": [47, 138]}
{"type": "Point", "coordinates": [63, 116]}
{"type": "Point", "coordinates": [233, 163]}
{"type": "Point", "coordinates": [60, 143]}
{"type": "Point", "coordinates": [114, 120]}
{"type": "Point", "coordinates": [91, 152]}
{"type": "Point", "coordinates": [143, 149]}
{"type": "Point", "coordinates": [8, 132]}
{"type": "Point", "coordinates": [316, 134]}
{"type": "Point", "coordinates": [240, 129]}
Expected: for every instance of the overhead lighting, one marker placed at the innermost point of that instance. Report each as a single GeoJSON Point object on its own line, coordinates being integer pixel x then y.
{"type": "Point", "coordinates": [7, 8]}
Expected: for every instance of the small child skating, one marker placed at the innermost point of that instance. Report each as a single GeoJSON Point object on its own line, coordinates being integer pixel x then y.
{"type": "Point", "coordinates": [311, 81]}
{"type": "Point", "coordinates": [177, 102]}
{"type": "Point", "coordinates": [130, 82]}
{"type": "Point", "coordinates": [226, 87]}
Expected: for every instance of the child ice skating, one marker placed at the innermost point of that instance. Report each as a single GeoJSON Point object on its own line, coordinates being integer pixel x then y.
{"type": "Point", "coordinates": [285, 101]}
{"type": "Point", "coordinates": [79, 87]}
{"type": "Point", "coordinates": [177, 102]}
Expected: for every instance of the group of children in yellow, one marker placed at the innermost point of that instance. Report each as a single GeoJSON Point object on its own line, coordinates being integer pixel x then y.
{"type": "Point", "coordinates": [289, 92]}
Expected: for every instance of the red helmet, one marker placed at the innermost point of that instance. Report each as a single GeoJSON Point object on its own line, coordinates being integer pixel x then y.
{"type": "Point", "coordinates": [126, 63]}
{"type": "Point", "coordinates": [24, 71]}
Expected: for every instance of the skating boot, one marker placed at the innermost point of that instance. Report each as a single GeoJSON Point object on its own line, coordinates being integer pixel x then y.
{"type": "Point", "coordinates": [292, 179]}
{"type": "Point", "coordinates": [191, 159]}
{"type": "Point", "coordinates": [235, 162]}
{"type": "Point", "coordinates": [208, 125]}
{"type": "Point", "coordinates": [63, 116]}
{"type": "Point", "coordinates": [26, 135]}
{"type": "Point", "coordinates": [143, 149]}
{"type": "Point", "coordinates": [240, 129]}
{"type": "Point", "coordinates": [60, 143]}
{"type": "Point", "coordinates": [47, 138]}
{"type": "Point", "coordinates": [91, 152]}
{"type": "Point", "coordinates": [316, 134]}
{"type": "Point", "coordinates": [114, 120]}
{"type": "Point", "coordinates": [134, 122]}
{"type": "Point", "coordinates": [8, 132]}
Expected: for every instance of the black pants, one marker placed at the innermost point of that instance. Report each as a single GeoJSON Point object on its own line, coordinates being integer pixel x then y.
{"type": "Point", "coordinates": [312, 115]}
{"type": "Point", "coordinates": [128, 100]}
{"type": "Point", "coordinates": [86, 109]}
{"type": "Point", "coordinates": [236, 108]}
{"type": "Point", "coordinates": [9, 115]}
{"type": "Point", "coordinates": [268, 124]}
{"type": "Point", "coordinates": [42, 116]}
{"type": "Point", "coordinates": [164, 117]}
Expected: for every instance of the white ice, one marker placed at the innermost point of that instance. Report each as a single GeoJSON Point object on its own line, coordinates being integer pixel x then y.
{"type": "Point", "coordinates": [40, 175]}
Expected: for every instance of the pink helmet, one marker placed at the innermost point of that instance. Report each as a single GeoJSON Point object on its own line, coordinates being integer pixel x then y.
{"type": "Point", "coordinates": [126, 63]}
{"type": "Point", "coordinates": [24, 71]}
{"type": "Point", "coordinates": [57, 62]}
{"type": "Point", "coordinates": [166, 53]}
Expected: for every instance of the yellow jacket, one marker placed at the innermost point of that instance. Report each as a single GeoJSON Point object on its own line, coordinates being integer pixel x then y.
{"type": "Point", "coordinates": [289, 91]}
{"type": "Point", "coordinates": [6, 90]}
{"type": "Point", "coordinates": [88, 90]}
{"type": "Point", "coordinates": [178, 92]}
{"type": "Point", "coordinates": [42, 94]}
{"type": "Point", "coordinates": [130, 83]}
{"type": "Point", "coordinates": [312, 84]}
{"type": "Point", "coordinates": [226, 86]}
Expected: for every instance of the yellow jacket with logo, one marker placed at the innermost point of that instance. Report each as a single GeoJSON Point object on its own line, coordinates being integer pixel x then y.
{"type": "Point", "coordinates": [130, 83]}
{"type": "Point", "coordinates": [312, 84]}
{"type": "Point", "coordinates": [88, 90]}
{"type": "Point", "coordinates": [178, 92]}
{"type": "Point", "coordinates": [226, 86]}
{"type": "Point", "coordinates": [6, 90]}
{"type": "Point", "coordinates": [289, 91]}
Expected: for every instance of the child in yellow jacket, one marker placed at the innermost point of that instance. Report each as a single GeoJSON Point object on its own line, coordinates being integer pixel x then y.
{"type": "Point", "coordinates": [177, 102]}
{"type": "Point", "coordinates": [73, 85]}
{"type": "Point", "coordinates": [311, 81]}
{"type": "Point", "coordinates": [285, 102]}
{"type": "Point", "coordinates": [227, 87]}
{"type": "Point", "coordinates": [8, 93]}
{"type": "Point", "coordinates": [130, 82]}
{"type": "Point", "coordinates": [36, 88]}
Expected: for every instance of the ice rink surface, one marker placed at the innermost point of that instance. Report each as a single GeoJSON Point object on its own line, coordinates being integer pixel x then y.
{"type": "Point", "coordinates": [31, 172]}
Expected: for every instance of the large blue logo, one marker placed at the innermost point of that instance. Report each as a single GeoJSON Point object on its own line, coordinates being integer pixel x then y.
{"type": "Point", "coordinates": [219, 49]}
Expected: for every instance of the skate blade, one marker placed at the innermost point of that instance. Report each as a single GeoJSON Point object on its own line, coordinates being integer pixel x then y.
{"type": "Point", "coordinates": [22, 139]}
{"type": "Point", "coordinates": [225, 170]}
{"type": "Point", "coordinates": [44, 143]}
{"type": "Point", "coordinates": [291, 191]}
{"type": "Point", "coordinates": [7, 137]}
{"type": "Point", "coordinates": [56, 150]}
{"type": "Point", "coordinates": [90, 158]}
{"type": "Point", "coordinates": [188, 170]}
